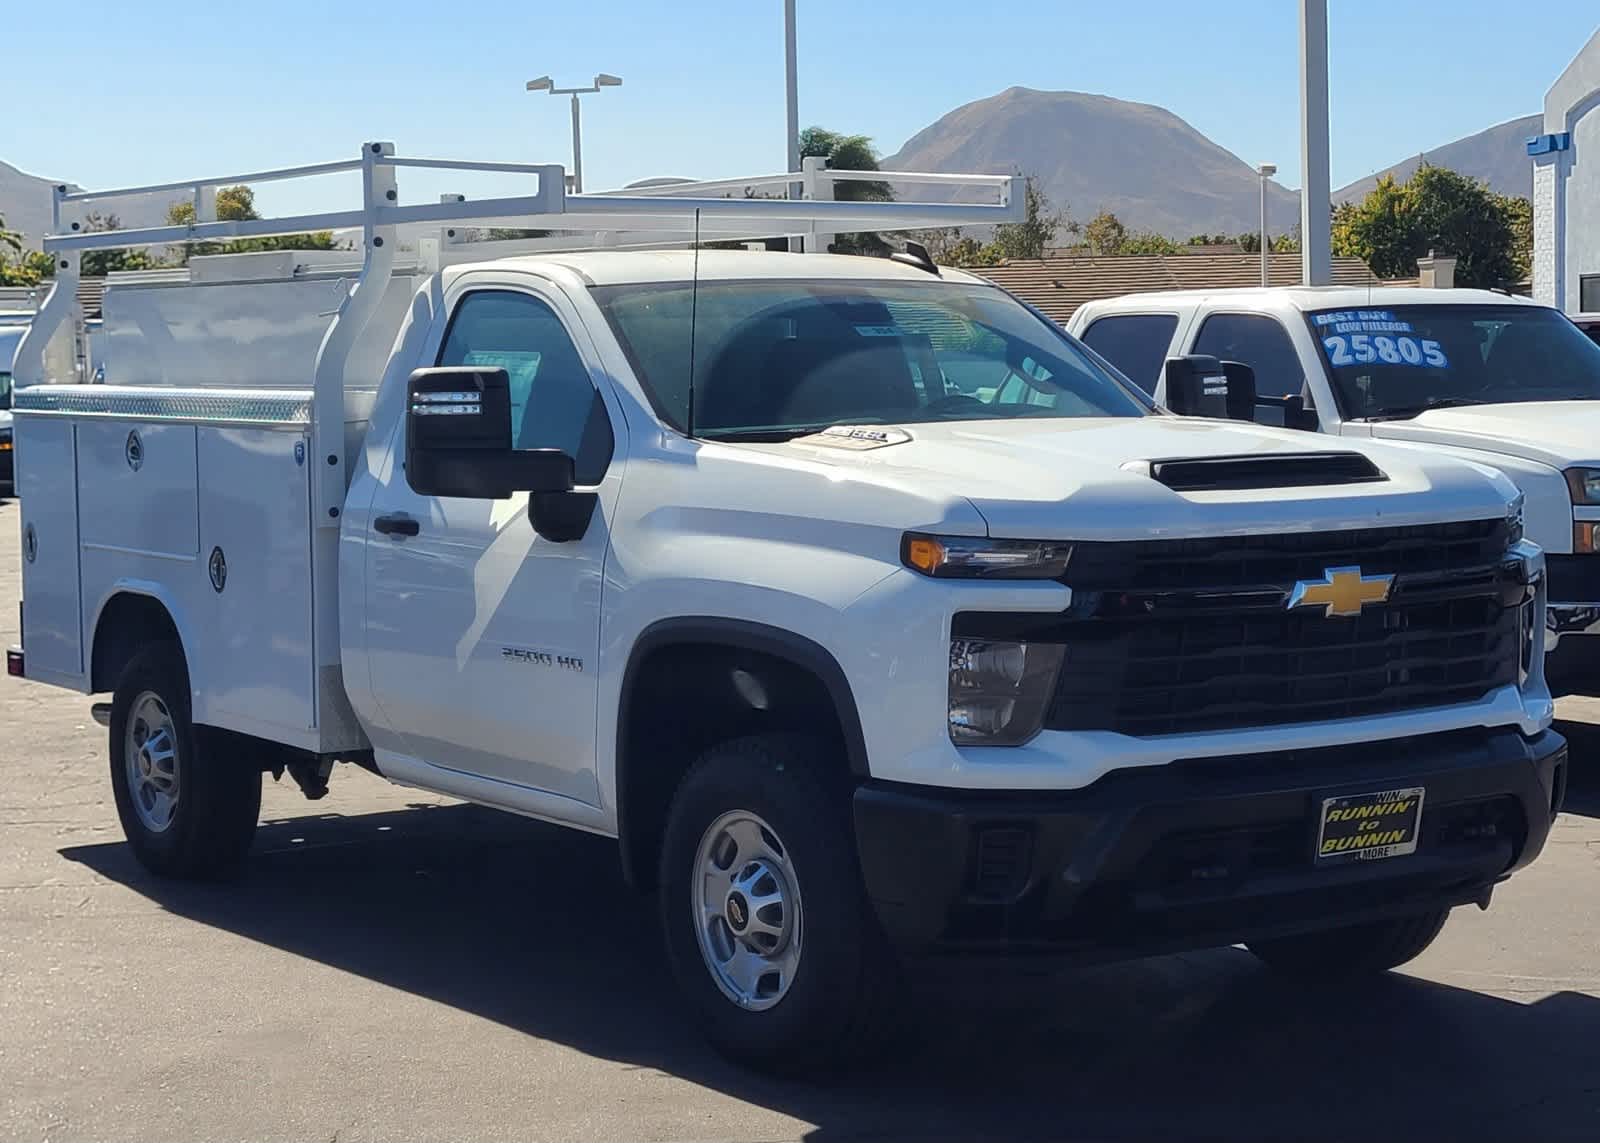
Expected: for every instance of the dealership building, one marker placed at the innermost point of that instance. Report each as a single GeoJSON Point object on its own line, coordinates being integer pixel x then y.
{"type": "Point", "coordinates": [1566, 189]}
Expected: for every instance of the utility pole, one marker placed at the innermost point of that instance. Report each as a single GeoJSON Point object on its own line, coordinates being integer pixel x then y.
{"type": "Point", "coordinates": [1316, 195]}
{"type": "Point", "coordinates": [792, 87]}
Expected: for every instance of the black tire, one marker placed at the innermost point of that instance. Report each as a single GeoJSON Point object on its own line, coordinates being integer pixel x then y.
{"type": "Point", "coordinates": [1355, 950]}
{"type": "Point", "coordinates": [844, 989]}
{"type": "Point", "coordinates": [219, 794]}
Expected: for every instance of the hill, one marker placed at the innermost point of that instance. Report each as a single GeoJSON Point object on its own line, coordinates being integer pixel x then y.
{"type": "Point", "coordinates": [1092, 152]}
{"type": "Point", "coordinates": [1498, 156]}
{"type": "Point", "coordinates": [25, 205]}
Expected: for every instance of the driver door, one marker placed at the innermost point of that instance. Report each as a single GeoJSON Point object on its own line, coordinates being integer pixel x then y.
{"type": "Point", "coordinates": [482, 635]}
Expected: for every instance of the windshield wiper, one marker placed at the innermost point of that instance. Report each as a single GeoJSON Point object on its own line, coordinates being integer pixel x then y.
{"type": "Point", "coordinates": [1405, 412]}
{"type": "Point", "coordinates": [763, 436]}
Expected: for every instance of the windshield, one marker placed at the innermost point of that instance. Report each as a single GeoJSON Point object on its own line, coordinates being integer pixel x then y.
{"type": "Point", "coordinates": [1405, 360]}
{"type": "Point", "coordinates": [781, 358]}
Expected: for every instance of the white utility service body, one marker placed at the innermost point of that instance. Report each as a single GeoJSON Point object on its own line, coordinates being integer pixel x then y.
{"type": "Point", "coordinates": [1547, 440]}
{"type": "Point", "coordinates": [860, 577]}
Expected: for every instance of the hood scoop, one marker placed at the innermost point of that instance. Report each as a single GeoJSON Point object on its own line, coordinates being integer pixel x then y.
{"type": "Point", "coordinates": [1275, 470]}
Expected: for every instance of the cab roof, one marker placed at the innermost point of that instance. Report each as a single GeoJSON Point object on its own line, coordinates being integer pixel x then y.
{"type": "Point", "coordinates": [617, 267]}
{"type": "Point", "coordinates": [1305, 298]}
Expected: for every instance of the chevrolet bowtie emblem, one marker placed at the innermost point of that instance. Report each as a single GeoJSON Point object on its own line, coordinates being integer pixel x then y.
{"type": "Point", "coordinates": [1341, 591]}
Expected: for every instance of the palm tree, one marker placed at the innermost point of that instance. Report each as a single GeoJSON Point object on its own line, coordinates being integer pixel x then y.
{"type": "Point", "coordinates": [10, 238]}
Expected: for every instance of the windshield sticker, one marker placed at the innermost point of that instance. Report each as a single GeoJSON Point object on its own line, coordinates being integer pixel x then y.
{"type": "Point", "coordinates": [856, 438]}
{"type": "Point", "coordinates": [1362, 321]}
{"type": "Point", "coordinates": [878, 330]}
{"type": "Point", "coordinates": [1371, 349]}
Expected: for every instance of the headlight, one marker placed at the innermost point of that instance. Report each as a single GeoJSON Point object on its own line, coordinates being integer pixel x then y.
{"type": "Point", "coordinates": [999, 689]}
{"type": "Point", "coordinates": [1584, 484]}
{"type": "Point", "coordinates": [973, 557]}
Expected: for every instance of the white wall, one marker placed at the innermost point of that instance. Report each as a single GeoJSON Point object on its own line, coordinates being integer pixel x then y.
{"type": "Point", "coordinates": [1566, 185]}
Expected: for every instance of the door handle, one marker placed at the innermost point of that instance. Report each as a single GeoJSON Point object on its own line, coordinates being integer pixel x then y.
{"type": "Point", "coordinates": [397, 525]}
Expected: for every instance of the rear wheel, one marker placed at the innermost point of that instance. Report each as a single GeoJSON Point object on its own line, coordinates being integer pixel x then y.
{"type": "Point", "coordinates": [186, 811]}
{"type": "Point", "coordinates": [767, 925]}
{"type": "Point", "coordinates": [1354, 950]}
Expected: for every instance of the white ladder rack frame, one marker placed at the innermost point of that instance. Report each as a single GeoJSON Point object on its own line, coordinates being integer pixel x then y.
{"type": "Point", "coordinates": [669, 214]}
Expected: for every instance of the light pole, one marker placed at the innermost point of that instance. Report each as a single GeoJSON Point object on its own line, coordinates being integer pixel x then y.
{"type": "Point", "coordinates": [1266, 171]}
{"type": "Point", "coordinates": [545, 83]}
{"type": "Point", "coordinates": [1316, 239]}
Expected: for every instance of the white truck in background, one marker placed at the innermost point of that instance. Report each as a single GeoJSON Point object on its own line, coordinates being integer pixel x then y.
{"type": "Point", "coordinates": [1476, 374]}
{"type": "Point", "coordinates": [872, 615]}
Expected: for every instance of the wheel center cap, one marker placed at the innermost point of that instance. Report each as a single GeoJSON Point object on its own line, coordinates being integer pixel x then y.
{"type": "Point", "coordinates": [737, 911]}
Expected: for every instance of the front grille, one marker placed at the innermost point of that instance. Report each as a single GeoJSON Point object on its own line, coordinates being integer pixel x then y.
{"type": "Point", "coordinates": [1216, 648]}
{"type": "Point", "coordinates": [1281, 559]}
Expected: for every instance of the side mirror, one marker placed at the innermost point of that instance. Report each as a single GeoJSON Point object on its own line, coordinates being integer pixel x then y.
{"type": "Point", "coordinates": [458, 439]}
{"type": "Point", "coordinates": [1195, 385]}
{"type": "Point", "coordinates": [1201, 386]}
{"type": "Point", "coordinates": [1240, 399]}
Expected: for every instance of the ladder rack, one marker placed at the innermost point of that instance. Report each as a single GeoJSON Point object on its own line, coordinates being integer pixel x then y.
{"type": "Point", "coordinates": [671, 214]}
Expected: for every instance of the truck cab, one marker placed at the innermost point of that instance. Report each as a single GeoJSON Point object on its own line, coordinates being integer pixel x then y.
{"type": "Point", "coordinates": [1476, 374]}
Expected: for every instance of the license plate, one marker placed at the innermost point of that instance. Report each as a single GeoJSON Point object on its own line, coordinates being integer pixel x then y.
{"type": "Point", "coordinates": [1369, 827]}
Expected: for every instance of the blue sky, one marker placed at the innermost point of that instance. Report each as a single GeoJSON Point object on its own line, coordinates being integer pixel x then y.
{"type": "Point", "coordinates": [126, 91]}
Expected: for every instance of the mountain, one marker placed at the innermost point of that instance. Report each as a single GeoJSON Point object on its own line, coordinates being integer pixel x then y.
{"type": "Point", "coordinates": [1498, 156]}
{"type": "Point", "coordinates": [25, 206]}
{"type": "Point", "coordinates": [1093, 153]}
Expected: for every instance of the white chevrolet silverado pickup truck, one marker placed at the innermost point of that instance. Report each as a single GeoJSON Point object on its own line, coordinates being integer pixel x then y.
{"type": "Point", "coordinates": [871, 614]}
{"type": "Point", "coordinates": [1471, 373]}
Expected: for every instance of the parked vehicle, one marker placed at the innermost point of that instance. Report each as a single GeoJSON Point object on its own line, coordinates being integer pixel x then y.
{"type": "Point", "coordinates": [1590, 324]}
{"type": "Point", "coordinates": [708, 552]}
{"type": "Point", "coordinates": [10, 338]}
{"type": "Point", "coordinates": [1470, 373]}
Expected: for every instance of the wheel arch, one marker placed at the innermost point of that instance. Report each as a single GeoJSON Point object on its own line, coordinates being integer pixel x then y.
{"type": "Point", "coordinates": [640, 804]}
{"type": "Point", "coordinates": [132, 615]}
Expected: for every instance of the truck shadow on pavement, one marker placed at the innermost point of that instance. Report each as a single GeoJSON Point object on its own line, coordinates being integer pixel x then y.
{"type": "Point", "coordinates": [532, 927]}
{"type": "Point", "coordinates": [1583, 783]}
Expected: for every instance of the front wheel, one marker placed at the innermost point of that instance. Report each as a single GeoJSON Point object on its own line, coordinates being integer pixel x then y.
{"type": "Point", "coordinates": [1354, 950]}
{"type": "Point", "coordinates": [767, 925]}
{"type": "Point", "coordinates": [185, 812]}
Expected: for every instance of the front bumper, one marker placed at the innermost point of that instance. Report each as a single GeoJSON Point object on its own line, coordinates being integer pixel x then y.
{"type": "Point", "coordinates": [1202, 852]}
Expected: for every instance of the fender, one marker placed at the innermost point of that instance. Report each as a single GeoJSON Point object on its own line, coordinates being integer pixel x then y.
{"type": "Point", "coordinates": [743, 635]}
{"type": "Point", "coordinates": [150, 589]}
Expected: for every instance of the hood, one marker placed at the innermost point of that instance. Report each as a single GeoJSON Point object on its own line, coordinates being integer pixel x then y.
{"type": "Point", "coordinates": [1557, 433]}
{"type": "Point", "coordinates": [1021, 475]}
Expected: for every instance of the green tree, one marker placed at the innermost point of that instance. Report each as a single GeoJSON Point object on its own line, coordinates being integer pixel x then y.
{"type": "Point", "coordinates": [238, 204]}
{"type": "Point", "coordinates": [1037, 231]}
{"type": "Point", "coordinates": [30, 269]}
{"type": "Point", "coordinates": [1148, 242]}
{"type": "Point", "coordinates": [1436, 209]}
{"type": "Point", "coordinates": [849, 153]}
{"type": "Point", "coordinates": [1519, 214]}
{"type": "Point", "coordinates": [1105, 234]}
{"type": "Point", "coordinates": [99, 263]}
{"type": "Point", "coordinates": [9, 239]}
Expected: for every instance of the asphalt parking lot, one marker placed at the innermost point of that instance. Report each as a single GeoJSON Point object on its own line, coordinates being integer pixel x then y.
{"type": "Point", "coordinates": [398, 965]}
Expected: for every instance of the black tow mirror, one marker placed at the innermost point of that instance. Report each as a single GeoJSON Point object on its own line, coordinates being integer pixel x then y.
{"type": "Point", "coordinates": [1201, 386]}
{"type": "Point", "coordinates": [458, 439]}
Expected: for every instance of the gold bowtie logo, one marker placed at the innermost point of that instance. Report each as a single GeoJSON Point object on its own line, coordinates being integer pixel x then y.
{"type": "Point", "coordinates": [1341, 591]}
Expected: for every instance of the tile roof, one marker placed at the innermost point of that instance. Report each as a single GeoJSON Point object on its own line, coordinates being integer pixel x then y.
{"type": "Point", "coordinates": [1058, 286]}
